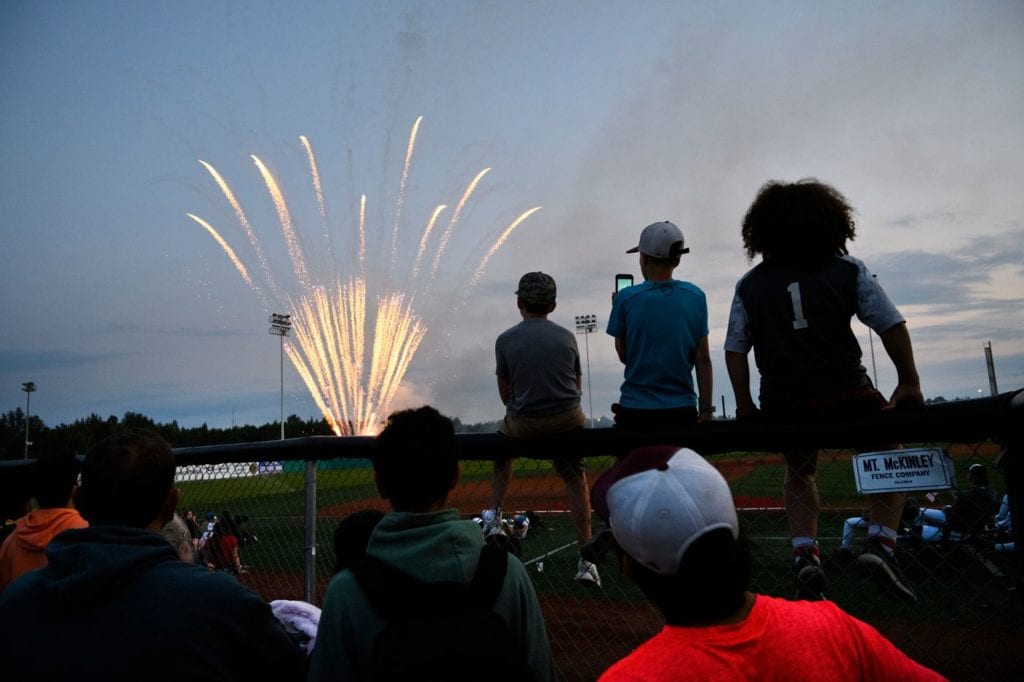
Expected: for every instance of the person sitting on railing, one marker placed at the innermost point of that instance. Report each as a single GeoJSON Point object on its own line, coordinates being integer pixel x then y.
{"type": "Point", "coordinates": [421, 569]}
{"type": "Point", "coordinates": [674, 521]}
{"type": "Point", "coordinates": [115, 602]}
{"type": "Point", "coordinates": [539, 379]}
{"type": "Point", "coordinates": [794, 310]}
{"type": "Point", "coordinates": [660, 327]}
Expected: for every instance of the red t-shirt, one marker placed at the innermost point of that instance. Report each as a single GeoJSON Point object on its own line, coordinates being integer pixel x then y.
{"type": "Point", "coordinates": [780, 640]}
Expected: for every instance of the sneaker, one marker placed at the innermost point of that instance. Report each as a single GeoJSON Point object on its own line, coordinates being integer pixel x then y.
{"type": "Point", "coordinates": [882, 568]}
{"type": "Point", "coordinates": [587, 575]}
{"type": "Point", "coordinates": [596, 549]}
{"type": "Point", "coordinates": [810, 577]}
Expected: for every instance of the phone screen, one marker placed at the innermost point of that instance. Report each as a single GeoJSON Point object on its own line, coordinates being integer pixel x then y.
{"type": "Point", "coordinates": [623, 281]}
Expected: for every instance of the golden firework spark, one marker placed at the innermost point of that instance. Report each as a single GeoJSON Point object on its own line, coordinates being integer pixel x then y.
{"type": "Point", "coordinates": [352, 374]}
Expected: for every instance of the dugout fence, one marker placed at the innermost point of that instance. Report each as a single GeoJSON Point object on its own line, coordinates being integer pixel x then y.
{"type": "Point", "coordinates": [968, 622]}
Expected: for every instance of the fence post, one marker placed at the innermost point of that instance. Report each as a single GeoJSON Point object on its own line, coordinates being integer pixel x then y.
{"type": "Point", "coordinates": [309, 591]}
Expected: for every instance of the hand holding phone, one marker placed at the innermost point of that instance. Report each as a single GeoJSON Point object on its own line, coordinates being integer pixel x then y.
{"type": "Point", "coordinates": [623, 281]}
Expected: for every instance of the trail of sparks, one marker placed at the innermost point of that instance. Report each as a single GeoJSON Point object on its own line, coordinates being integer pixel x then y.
{"type": "Point", "coordinates": [455, 218]}
{"type": "Point", "coordinates": [400, 202]}
{"type": "Point", "coordinates": [362, 236]}
{"type": "Point", "coordinates": [352, 372]}
{"type": "Point", "coordinates": [246, 226]}
{"type": "Point", "coordinates": [425, 238]}
{"type": "Point", "coordinates": [498, 244]}
{"type": "Point", "coordinates": [290, 238]}
{"type": "Point", "coordinates": [229, 251]}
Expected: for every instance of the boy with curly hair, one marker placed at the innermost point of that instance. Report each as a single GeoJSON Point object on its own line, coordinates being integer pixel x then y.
{"type": "Point", "coordinates": [794, 309]}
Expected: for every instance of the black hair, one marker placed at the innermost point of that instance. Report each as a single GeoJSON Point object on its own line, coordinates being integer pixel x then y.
{"type": "Point", "coordinates": [54, 475]}
{"type": "Point", "coordinates": [535, 308]}
{"type": "Point", "coordinates": [710, 585]}
{"type": "Point", "coordinates": [671, 261]}
{"type": "Point", "coordinates": [416, 458]}
{"type": "Point", "coordinates": [978, 474]}
{"type": "Point", "coordinates": [125, 479]}
{"type": "Point", "coordinates": [353, 535]}
{"type": "Point", "coordinates": [798, 223]}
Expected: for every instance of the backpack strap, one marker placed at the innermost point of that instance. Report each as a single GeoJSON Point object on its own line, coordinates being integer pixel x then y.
{"type": "Point", "coordinates": [392, 591]}
{"type": "Point", "coordinates": [490, 575]}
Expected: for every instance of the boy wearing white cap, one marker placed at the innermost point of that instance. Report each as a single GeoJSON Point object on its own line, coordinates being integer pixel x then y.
{"type": "Point", "coordinates": [661, 336]}
{"type": "Point", "coordinates": [673, 517]}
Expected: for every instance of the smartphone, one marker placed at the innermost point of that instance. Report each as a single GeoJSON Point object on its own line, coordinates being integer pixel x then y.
{"type": "Point", "coordinates": [623, 281]}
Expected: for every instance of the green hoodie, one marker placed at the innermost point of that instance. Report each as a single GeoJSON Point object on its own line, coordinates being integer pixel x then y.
{"type": "Point", "coordinates": [431, 547]}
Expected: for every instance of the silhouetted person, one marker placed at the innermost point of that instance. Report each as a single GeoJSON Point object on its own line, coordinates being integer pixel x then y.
{"type": "Point", "coordinates": [674, 520]}
{"type": "Point", "coordinates": [794, 309]}
{"type": "Point", "coordinates": [352, 536]}
{"type": "Point", "coordinates": [539, 381]}
{"type": "Point", "coordinates": [52, 482]}
{"type": "Point", "coordinates": [661, 336]}
{"type": "Point", "coordinates": [425, 541]}
{"type": "Point", "coordinates": [115, 602]}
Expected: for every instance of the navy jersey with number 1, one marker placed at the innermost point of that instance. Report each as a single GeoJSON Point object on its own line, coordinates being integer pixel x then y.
{"type": "Point", "coordinates": [797, 320]}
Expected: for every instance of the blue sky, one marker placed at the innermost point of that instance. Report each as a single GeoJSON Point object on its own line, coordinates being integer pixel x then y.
{"type": "Point", "coordinates": [610, 115]}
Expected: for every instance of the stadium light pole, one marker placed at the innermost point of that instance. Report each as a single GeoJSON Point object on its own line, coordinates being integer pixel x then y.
{"type": "Point", "coordinates": [586, 324]}
{"type": "Point", "coordinates": [29, 387]}
{"type": "Point", "coordinates": [280, 325]}
{"type": "Point", "coordinates": [871, 342]}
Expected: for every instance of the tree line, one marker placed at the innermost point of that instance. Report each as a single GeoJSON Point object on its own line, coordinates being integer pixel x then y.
{"type": "Point", "coordinates": [81, 434]}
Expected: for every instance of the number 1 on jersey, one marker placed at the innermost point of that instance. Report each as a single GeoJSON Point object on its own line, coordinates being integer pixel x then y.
{"type": "Point", "coordinates": [799, 322]}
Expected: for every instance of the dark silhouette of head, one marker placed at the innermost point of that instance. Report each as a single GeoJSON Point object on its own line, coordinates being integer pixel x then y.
{"type": "Point", "coordinates": [415, 459]}
{"type": "Point", "coordinates": [710, 584]}
{"type": "Point", "coordinates": [126, 480]}
{"type": "Point", "coordinates": [54, 475]}
{"type": "Point", "coordinates": [799, 223]}
{"type": "Point", "coordinates": [353, 535]}
{"type": "Point", "coordinates": [977, 475]}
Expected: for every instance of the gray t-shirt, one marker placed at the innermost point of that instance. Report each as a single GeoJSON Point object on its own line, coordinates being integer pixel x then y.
{"type": "Point", "coordinates": [541, 361]}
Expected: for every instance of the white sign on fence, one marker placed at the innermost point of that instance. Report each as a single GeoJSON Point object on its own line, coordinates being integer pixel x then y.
{"type": "Point", "coordinates": [903, 470]}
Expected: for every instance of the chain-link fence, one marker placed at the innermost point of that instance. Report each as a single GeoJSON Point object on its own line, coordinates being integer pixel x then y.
{"type": "Point", "coordinates": [967, 622]}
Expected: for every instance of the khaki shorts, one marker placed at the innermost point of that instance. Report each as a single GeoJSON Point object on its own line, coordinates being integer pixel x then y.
{"type": "Point", "coordinates": [546, 425]}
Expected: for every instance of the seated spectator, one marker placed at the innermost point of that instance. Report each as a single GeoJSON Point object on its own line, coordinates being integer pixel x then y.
{"type": "Point", "coordinates": [970, 511]}
{"type": "Point", "coordinates": [854, 523]}
{"type": "Point", "coordinates": [115, 602]}
{"type": "Point", "coordinates": [15, 502]}
{"type": "Point", "coordinates": [193, 528]}
{"type": "Point", "coordinates": [674, 519]}
{"type": "Point", "coordinates": [51, 484]}
{"type": "Point", "coordinates": [425, 542]}
{"type": "Point", "coordinates": [221, 549]}
{"type": "Point", "coordinates": [1002, 525]}
{"type": "Point", "coordinates": [353, 535]}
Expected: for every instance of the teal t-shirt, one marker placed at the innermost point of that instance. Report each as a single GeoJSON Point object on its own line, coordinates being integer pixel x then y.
{"type": "Point", "coordinates": [661, 322]}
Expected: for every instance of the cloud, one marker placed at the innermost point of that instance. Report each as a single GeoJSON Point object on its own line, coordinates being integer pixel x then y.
{"type": "Point", "coordinates": [28, 361]}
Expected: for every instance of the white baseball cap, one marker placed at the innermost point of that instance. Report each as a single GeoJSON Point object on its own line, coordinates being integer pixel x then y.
{"type": "Point", "coordinates": [658, 500]}
{"type": "Point", "coordinates": [661, 240]}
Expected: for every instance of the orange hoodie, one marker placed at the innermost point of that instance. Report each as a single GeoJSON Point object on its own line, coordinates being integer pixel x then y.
{"type": "Point", "coordinates": [22, 551]}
